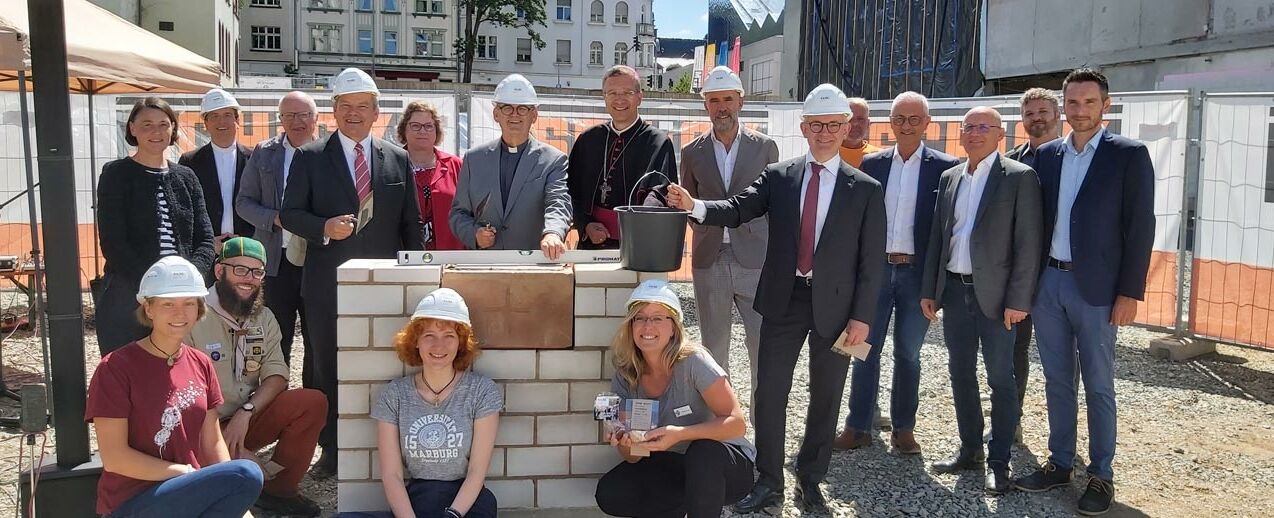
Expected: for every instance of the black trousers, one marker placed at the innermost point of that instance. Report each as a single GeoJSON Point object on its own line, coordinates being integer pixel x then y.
{"type": "Point", "coordinates": [283, 297]}
{"type": "Point", "coordinates": [115, 313]}
{"type": "Point", "coordinates": [320, 323]}
{"type": "Point", "coordinates": [1021, 359]}
{"type": "Point", "coordinates": [781, 341]}
{"type": "Point", "coordinates": [697, 484]}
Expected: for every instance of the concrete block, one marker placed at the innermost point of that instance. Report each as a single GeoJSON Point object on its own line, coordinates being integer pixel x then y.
{"type": "Point", "coordinates": [377, 299]}
{"type": "Point", "coordinates": [604, 274]}
{"type": "Point", "coordinates": [567, 492]}
{"type": "Point", "coordinates": [645, 276]}
{"type": "Point", "coordinates": [608, 365]}
{"type": "Point", "coordinates": [515, 431]}
{"type": "Point", "coordinates": [583, 393]}
{"type": "Point", "coordinates": [1180, 349]}
{"type": "Point", "coordinates": [351, 332]}
{"type": "Point", "coordinates": [356, 433]}
{"type": "Point", "coordinates": [412, 293]}
{"type": "Point", "coordinates": [368, 365]}
{"type": "Point", "coordinates": [407, 274]}
{"type": "Point", "coordinates": [353, 464]}
{"type": "Point", "coordinates": [353, 399]}
{"type": "Point", "coordinates": [590, 301]}
{"type": "Point", "coordinates": [384, 329]}
{"type": "Point", "coordinates": [513, 493]}
{"type": "Point", "coordinates": [593, 459]}
{"type": "Point", "coordinates": [360, 496]}
{"type": "Point", "coordinates": [355, 270]}
{"type": "Point", "coordinates": [376, 465]}
{"type": "Point", "coordinates": [593, 331]}
{"type": "Point", "coordinates": [565, 429]}
{"type": "Point", "coordinates": [550, 460]}
{"type": "Point", "coordinates": [617, 301]}
{"type": "Point", "coordinates": [535, 397]}
{"type": "Point", "coordinates": [570, 365]}
{"type": "Point", "coordinates": [496, 468]}
{"type": "Point", "coordinates": [506, 365]}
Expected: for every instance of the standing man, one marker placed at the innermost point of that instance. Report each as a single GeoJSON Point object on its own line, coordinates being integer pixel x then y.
{"type": "Point", "coordinates": [511, 194]}
{"type": "Point", "coordinates": [909, 173]}
{"type": "Point", "coordinates": [260, 199]}
{"type": "Point", "coordinates": [1099, 215]}
{"type": "Point", "coordinates": [855, 146]}
{"type": "Point", "coordinates": [243, 341]}
{"type": "Point", "coordinates": [727, 263]}
{"type": "Point", "coordinates": [981, 268]}
{"type": "Point", "coordinates": [608, 161]}
{"type": "Point", "coordinates": [351, 196]}
{"type": "Point", "coordinates": [219, 164]}
{"type": "Point", "coordinates": [821, 278]}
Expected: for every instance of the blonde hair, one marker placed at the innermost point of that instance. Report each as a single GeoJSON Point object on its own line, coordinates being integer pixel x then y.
{"type": "Point", "coordinates": [1039, 94]}
{"type": "Point", "coordinates": [628, 361]}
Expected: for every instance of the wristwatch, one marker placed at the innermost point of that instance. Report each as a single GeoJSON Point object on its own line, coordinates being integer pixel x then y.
{"type": "Point", "coordinates": [248, 407]}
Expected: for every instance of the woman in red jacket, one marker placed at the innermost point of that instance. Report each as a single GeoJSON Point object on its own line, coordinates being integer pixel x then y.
{"type": "Point", "coordinates": [436, 171]}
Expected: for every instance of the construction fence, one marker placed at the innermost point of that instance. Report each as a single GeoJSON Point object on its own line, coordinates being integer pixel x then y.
{"type": "Point", "coordinates": [1214, 190]}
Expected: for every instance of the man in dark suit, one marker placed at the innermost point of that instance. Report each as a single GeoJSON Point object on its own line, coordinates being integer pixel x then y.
{"type": "Point", "coordinates": [219, 166]}
{"type": "Point", "coordinates": [350, 196]}
{"type": "Point", "coordinates": [981, 269]}
{"type": "Point", "coordinates": [1100, 225]}
{"type": "Point", "coordinates": [821, 278]}
{"type": "Point", "coordinates": [909, 174]}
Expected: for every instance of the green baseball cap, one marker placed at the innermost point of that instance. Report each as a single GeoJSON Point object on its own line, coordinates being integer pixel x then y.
{"type": "Point", "coordinates": [243, 247]}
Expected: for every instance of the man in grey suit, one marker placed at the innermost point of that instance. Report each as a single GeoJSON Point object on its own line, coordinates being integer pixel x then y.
{"type": "Point", "coordinates": [511, 194]}
{"type": "Point", "coordinates": [727, 262]}
{"type": "Point", "coordinates": [981, 268]}
{"type": "Point", "coordinates": [260, 198]}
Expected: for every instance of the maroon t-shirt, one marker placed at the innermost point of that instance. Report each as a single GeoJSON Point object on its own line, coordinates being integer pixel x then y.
{"type": "Point", "coordinates": [165, 407]}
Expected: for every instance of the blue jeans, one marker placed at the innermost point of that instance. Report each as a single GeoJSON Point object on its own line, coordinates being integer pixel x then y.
{"type": "Point", "coordinates": [900, 299]}
{"type": "Point", "coordinates": [1066, 325]}
{"type": "Point", "coordinates": [430, 498]}
{"type": "Point", "coordinates": [964, 325]}
{"type": "Point", "coordinates": [225, 489]}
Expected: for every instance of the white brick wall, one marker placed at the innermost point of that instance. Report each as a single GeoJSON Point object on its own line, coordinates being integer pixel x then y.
{"type": "Point", "coordinates": [617, 301]}
{"type": "Point", "coordinates": [575, 365]}
{"type": "Point", "coordinates": [369, 299]}
{"type": "Point", "coordinates": [590, 301]}
{"type": "Point", "coordinates": [414, 274]}
{"type": "Point", "coordinates": [361, 496]}
{"type": "Point", "coordinates": [384, 329]}
{"type": "Point", "coordinates": [604, 274]}
{"type": "Point", "coordinates": [353, 399]}
{"type": "Point", "coordinates": [537, 460]}
{"type": "Point", "coordinates": [595, 332]}
{"type": "Point", "coordinates": [513, 493]}
{"type": "Point", "coordinates": [567, 492]}
{"type": "Point", "coordinates": [515, 430]}
{"type": "Point", "coordinates": [505, 365]}
{"type": "Point", "coordinates": [352, 332]}
{"type": "Point", "coordinates": [353, 464]}
{"type": "Point", "coordinates": [356, 433]}
{"type": "Point", "coordinates": [566, 429]}
{"type": "Point", "coordinates": [368, 365]}
{"type": "Point", "coordinates": [593, 458]}
{"type": "Point", "coordinates": [584, 392]}
{"type": "Point", "coordinates": [535, 397]}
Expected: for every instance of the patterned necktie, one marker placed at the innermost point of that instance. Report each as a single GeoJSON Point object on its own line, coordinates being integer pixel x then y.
{"type": "Point", "coordinates": [362, 175]}
{"type": "Point", "coordinates": [809, 219]}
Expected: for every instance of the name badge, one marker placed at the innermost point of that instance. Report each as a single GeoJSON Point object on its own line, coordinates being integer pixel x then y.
{"type": "Point", "coordinates": [213, 346]}
{"type": "Point", "coordinates": [254, 331]}
{"type": "Point", "coordinates": [258, 350]}
{"type": "Point", "coordinates": [682, 411]}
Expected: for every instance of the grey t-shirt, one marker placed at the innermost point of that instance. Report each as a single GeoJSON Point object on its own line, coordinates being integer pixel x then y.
{"type": "Point", "coordinates": [682, 402]}
{"type": "Point", "coordinates": [435, 440]}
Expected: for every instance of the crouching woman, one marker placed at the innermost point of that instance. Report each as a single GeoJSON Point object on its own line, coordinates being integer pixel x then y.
{"type": "Point", "coordinates": [699, 460]}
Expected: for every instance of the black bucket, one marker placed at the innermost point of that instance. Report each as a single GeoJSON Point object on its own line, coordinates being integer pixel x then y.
{"type": "Point", "coordinates": [652, 237]}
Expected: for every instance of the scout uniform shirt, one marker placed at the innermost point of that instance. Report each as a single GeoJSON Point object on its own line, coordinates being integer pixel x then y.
{"type": "Point", "coordinates": [242, 354]}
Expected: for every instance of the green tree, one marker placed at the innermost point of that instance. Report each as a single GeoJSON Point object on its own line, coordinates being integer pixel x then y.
{"type": "Point", "coordinates": [683, 85]}
{"type": "Point", "coordinates": [524, 14]}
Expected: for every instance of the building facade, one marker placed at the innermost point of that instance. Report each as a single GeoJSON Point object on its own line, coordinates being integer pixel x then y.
{"type": "Point", "coordinates": [209, 28]}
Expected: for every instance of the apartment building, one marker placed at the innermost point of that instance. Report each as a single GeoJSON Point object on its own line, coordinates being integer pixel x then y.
{"type": "Point", "coordinates": [209, 28]}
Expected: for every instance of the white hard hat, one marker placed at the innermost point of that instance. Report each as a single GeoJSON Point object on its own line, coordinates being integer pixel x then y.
{"type": "Point", "coordinates": [826, 99]}
{"type": "Point", "coordinates": [353, 81]}
{"type": "Point", "coordinates": [721, 79]}
{"type": "Point", "coordinates": [217, 99]}
{"type": "Point", "coordinates": [516, 89]}
{"type": "Point", "coordinates": [171, 277]}
{"type": "Point", "coordinates": [443, 304]}
{"type": "Point", "coordinates": [656, 290]}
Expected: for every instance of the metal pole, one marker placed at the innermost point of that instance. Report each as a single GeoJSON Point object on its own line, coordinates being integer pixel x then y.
{"type": "Point", "coordinates": [1194, 158]}
{"type": "Point", "coordinates": [92, 177]}
{"type": "Point", "coordinates": [37, 281]}
{"type": "Point", "coordinates": [57, 199]}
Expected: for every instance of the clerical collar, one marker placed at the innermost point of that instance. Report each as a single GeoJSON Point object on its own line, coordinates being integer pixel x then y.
{"type": "Point", "coordinates": [220, 149]}
{"type": "Point", "coordinates": [513, 149]}
{"type": "Point", "coordinates": [618, 131]}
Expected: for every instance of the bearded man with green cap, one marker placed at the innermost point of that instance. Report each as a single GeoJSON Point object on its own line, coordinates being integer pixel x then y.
{"type": "Point", "coordinates": [243, 339]}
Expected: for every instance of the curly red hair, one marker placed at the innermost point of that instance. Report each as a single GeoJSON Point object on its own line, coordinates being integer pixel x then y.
{"type": "Point", "coordinates": [407, 337]}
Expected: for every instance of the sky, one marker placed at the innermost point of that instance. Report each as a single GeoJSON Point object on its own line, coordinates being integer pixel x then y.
{"type": "Point", "coordinates": [681, 18]}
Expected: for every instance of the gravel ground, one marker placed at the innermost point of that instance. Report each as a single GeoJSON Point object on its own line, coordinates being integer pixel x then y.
{"type": "Point", "coordinates": [1196, 438]}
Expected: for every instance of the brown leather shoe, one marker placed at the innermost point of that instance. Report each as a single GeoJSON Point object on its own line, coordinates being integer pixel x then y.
{"type": "Point", "coordinates": [850, 440]}
{"type": "Point", "coordinates": [905, 443]}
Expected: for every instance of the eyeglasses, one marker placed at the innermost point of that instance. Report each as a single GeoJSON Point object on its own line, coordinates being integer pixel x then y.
{"type": "Point", "coordinates": [831, 127]}
{"type": "Point", "coordinates": [521, 109]}
{"type": "Point", "coordinates": [656, 320]}
{"type": "Point", "coordinates": [978, 129]}
{"type": "Point", "coordinates": [900, 120]}
{"type": "Point", "coordinates": [417, 127]}
{"type": "Point", "coordinates": [611, 94]}
{"type": "Point", "coordinates": [244, 271]}
{"type": "Point", "coordinates": [299, 116]}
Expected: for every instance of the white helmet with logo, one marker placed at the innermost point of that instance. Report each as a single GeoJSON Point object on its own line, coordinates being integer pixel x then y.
{"type": "Point", "coordinates": [171, 277]}
{"type": "Point", "coordinates": [443, 304]}
{"type": "Point", "coordinates": [516, 89]}
{"type": "Point", "coordinates": [721, 79]}
{"type": "Point", "coordinates": [657, 291]}
{"type": "Point", "coordinates": [353, 81]}
{"type": "Point", "coordinates": [825, 99]}
{"type": "Point", "coordinates": [217, 99]}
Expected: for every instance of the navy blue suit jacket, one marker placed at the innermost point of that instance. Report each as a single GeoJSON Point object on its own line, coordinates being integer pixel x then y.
{"type": "Point", "coordinates": [932, 164]}
{"type": "Point", "coordinates": [1112, 221]}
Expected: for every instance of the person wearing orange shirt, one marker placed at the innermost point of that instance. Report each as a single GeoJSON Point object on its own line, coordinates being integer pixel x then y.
{"type": "Point", "coordinates": [855, 145]}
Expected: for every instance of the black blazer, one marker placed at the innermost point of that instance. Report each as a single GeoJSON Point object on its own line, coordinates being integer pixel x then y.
{"type": "Point", "coordinates": [204, 164]}
{"type": "Point", "coordinates": [932, 164]}
{"type": "Point", "coordinates": [321, 186]}
{"type": "Point", "coordinates": [128, 217]}
{"type": "Point", "coordinates": [1112, 220]}
{"type": "Point", "coordinates": [850, 256]}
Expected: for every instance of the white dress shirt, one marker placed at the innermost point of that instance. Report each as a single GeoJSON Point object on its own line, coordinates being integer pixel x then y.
{"type": "Point", "coordinates": [348, 145]}
{"type": "Point", "coordinates": [900, 202]}
{"type": "Point", "coordinates": [288, 153]}
{"type": "Point", "coordinates": [726, 159]}
{"type": "Point", "coordinates": [226, 159]}
{"type": "Point", "coordinates": [968, 197]}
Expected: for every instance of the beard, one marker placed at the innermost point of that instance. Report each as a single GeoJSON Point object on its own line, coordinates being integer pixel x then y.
{"type": "Point", "coordinates": [1039, 129]}
{"type": "Point", "coordinates": [237, 306]}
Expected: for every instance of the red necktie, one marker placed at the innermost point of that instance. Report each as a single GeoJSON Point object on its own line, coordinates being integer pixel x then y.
{"type": "Point", "coordinates": [362, 174]}
{"type": "Point", "coordinates": [809, 219]}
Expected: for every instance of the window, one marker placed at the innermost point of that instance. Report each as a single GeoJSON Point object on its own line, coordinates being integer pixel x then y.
{"type": "Point", "coordinates": [597, 12]}
{"type": "Point", "coordinates": [265, 3]}
{"type": "Point", "coordinates": [364, 41]}
{"type": "Point", "coordinates": [165, 26]}
{"type": "Point", "coordinates": [762, 78]}
{"type": "Point", "coordinates": [391, 6]}
{"type": "Point", "coordinates": [430, 6]}
{"type": "Point", "coordinates": [429, 42]}
{"type": "Point", "coordinates": [621, 13]}
{"type": "Point", "coordinates": [325, 4]}
{"type": "Point", "coordinates": [621, 53]}
{"type": "Point", "coordinates": [363, 5]}
{"type": "Point", "coordinates": [563, 51]}
{"type": "Point", "coordinates": [391, 43]}
{"type": "Point", "coordinates": [325, 38]}
{"type": "Point", "coordinates": [269, 39]}
{"type": "Point", "coordinates": [520, 13]}
{"type": "Point", "coordinates": [595, 53]}
{"type": "Point", "coordinates": [486, 47]}
{"type": "Point", "coordinates": [524, 50]}
{"type": "Point", "coordinates": [564, 10]}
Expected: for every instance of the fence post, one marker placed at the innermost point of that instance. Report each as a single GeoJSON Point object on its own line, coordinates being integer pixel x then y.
{"type": "Point", "coordinates": [1189, 186]}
